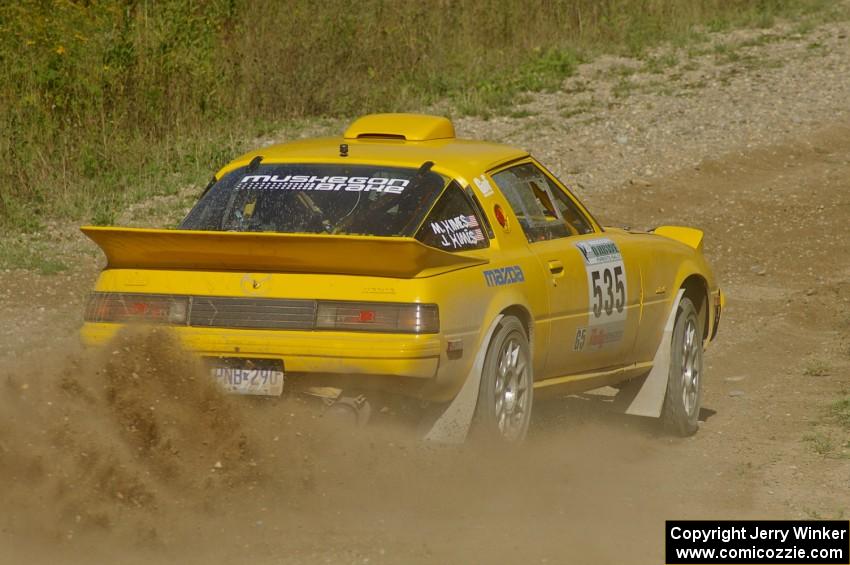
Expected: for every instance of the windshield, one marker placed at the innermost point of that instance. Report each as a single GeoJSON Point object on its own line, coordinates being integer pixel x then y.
{"type": "Point", "coordinates": [318, 198]}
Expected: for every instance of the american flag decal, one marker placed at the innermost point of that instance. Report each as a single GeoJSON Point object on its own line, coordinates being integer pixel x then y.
{"type": "Point", "coordinates": [472, 221]}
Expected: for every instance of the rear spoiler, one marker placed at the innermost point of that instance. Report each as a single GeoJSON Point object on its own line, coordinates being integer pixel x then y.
{"type": "Point", "coordinates": [397, 257]}
{"type": "Point", "coordinates": [691, 237]}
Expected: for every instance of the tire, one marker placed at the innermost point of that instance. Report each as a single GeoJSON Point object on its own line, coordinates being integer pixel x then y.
{"type": "Point", "coordinates": [680, 412]}
{"type": "Point", "coordinates": [505, 395]}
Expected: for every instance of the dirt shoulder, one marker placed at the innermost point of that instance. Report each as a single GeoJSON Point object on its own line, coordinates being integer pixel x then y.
{"type": "Point", "coordinates": [749, 141]}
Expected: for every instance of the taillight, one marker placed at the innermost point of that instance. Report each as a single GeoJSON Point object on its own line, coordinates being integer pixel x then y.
{"type": "Point", "coordinates": [146, 308]}
{"type": "Point", "coordinates": [378, 317]}
{"type": "Point", "coordinates": [119, 307]}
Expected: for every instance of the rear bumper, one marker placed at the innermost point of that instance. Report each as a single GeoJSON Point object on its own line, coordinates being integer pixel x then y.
{"type": "Point", "coordinates": [326, 353]}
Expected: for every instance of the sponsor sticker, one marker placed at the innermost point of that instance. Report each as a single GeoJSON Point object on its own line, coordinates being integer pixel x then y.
{"type": "Point", "coordinates": [483, 185]}
{"type": "Point", "coordinates": [504, 276]}
{"type": "Point", "coordinates": [602, 336]}
{"type": "Point", "coordinates": [598, 337]}
{"type": "Point", "coordinates": [597, 251]}
{"type": "Point", "coordinates": [326, 183]}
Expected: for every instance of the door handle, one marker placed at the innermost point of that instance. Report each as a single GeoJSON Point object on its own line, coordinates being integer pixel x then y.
{"type": "Point", "coordinates": [556, 268]}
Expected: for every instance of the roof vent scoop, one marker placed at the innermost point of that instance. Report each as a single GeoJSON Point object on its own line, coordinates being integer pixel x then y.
{"type": "Point", "coordinates": [407, 127]}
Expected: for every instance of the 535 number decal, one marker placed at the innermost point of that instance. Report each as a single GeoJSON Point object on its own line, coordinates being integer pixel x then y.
{"type": "Point", "coordinates": [609, 290]}
{"type": "Point", "coordinates": [606, 282]}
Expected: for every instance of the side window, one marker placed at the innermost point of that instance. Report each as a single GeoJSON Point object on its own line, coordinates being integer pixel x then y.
{"type": "Point", "coordinates": [542, 209]}
{"type": "Point", "coordinates": [453, 224]}
{"type": "Point", "coordinates": [576, 221]}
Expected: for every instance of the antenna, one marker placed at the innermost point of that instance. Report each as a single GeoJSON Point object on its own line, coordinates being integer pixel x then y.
{"type": "Point", "coordinates": [255, 162]}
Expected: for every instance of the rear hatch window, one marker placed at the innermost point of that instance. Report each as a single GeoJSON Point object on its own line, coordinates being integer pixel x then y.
{"type": "Point", "coordinates": [318, 198]}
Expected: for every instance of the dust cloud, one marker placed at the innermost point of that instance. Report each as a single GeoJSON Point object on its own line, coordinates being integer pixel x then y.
{"type": "Point", "coordinates": [132, 454]}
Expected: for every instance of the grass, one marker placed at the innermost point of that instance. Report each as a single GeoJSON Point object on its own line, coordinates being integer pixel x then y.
{"type": "Point", "coordinates": [763, 39]}
{"type": "Point", "coordinates": [813, 514]}
{"type": "Point", "coordinates": [109, 102]}
{"type": "Point", "coordinates": [572, 110]}
{"type": "Point", "coordinates": [821, 443]}
{"type": "Point", "coordinates": [661, 63]}
{"type": "Point", "coordinates": [38, 258]}
{"type": "Point", "coordinates": [622, 71]}
{"type": "Point", "coordinates": [568, 113]}
{"type": "Point", "coordinates": [522, 113]}
{"type": "Point", "coordinates": [623, 87]}
{"type": "Point", "coordinates": [817, 368]}
{"type": "Point", "coordinates": [840, 410]}
{"type": "Point", "coordinates": [744, 469]}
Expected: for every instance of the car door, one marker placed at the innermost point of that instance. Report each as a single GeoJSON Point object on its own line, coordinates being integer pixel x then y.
{"type": "Point", "coordinates": [594, 287]}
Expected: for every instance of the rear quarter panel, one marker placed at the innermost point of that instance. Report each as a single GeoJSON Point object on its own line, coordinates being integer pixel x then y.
{"type": "Point", "coordinates": [471, 298]}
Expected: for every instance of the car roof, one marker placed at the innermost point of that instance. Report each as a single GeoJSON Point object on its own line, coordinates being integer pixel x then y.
{"type": "Point", "coordinates": [401, 140]}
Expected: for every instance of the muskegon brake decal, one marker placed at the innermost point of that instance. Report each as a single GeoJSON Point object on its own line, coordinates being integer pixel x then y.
{"type": "Point", "coordinates": [326, 183]}
{"type": "Point", "coordinates": [503, 276]}
{"type": "Point", "coordinates": [458, 232]}
{"type": "Point", "coordinates": [607, 289]}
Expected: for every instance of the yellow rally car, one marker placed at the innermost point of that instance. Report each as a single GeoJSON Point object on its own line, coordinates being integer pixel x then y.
{"type": "Point", "coordinates": [399, 259]}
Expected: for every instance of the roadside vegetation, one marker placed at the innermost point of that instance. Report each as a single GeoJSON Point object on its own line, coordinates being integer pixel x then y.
{"type": "Point", "coordinates": [830, 435]}
{"type": "Point", "coordinates": [108, 102]}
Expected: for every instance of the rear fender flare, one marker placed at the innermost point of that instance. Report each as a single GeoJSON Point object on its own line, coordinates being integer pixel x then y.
{"type": "Point", "coordinates": [698, 289]}
{"type": "Point", "coordinates": [454, 423]}
{"type": "Point", "coordinates": [506, 302]}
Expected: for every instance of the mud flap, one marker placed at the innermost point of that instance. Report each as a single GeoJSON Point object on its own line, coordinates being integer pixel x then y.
{"type": "Point", "coordinates": [649, 398]}
{"type": "Point", "coordinates": [453, 425]}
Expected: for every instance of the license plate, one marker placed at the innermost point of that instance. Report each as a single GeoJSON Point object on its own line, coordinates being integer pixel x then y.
{"type": "Point", "coordinates": [262, 381]}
